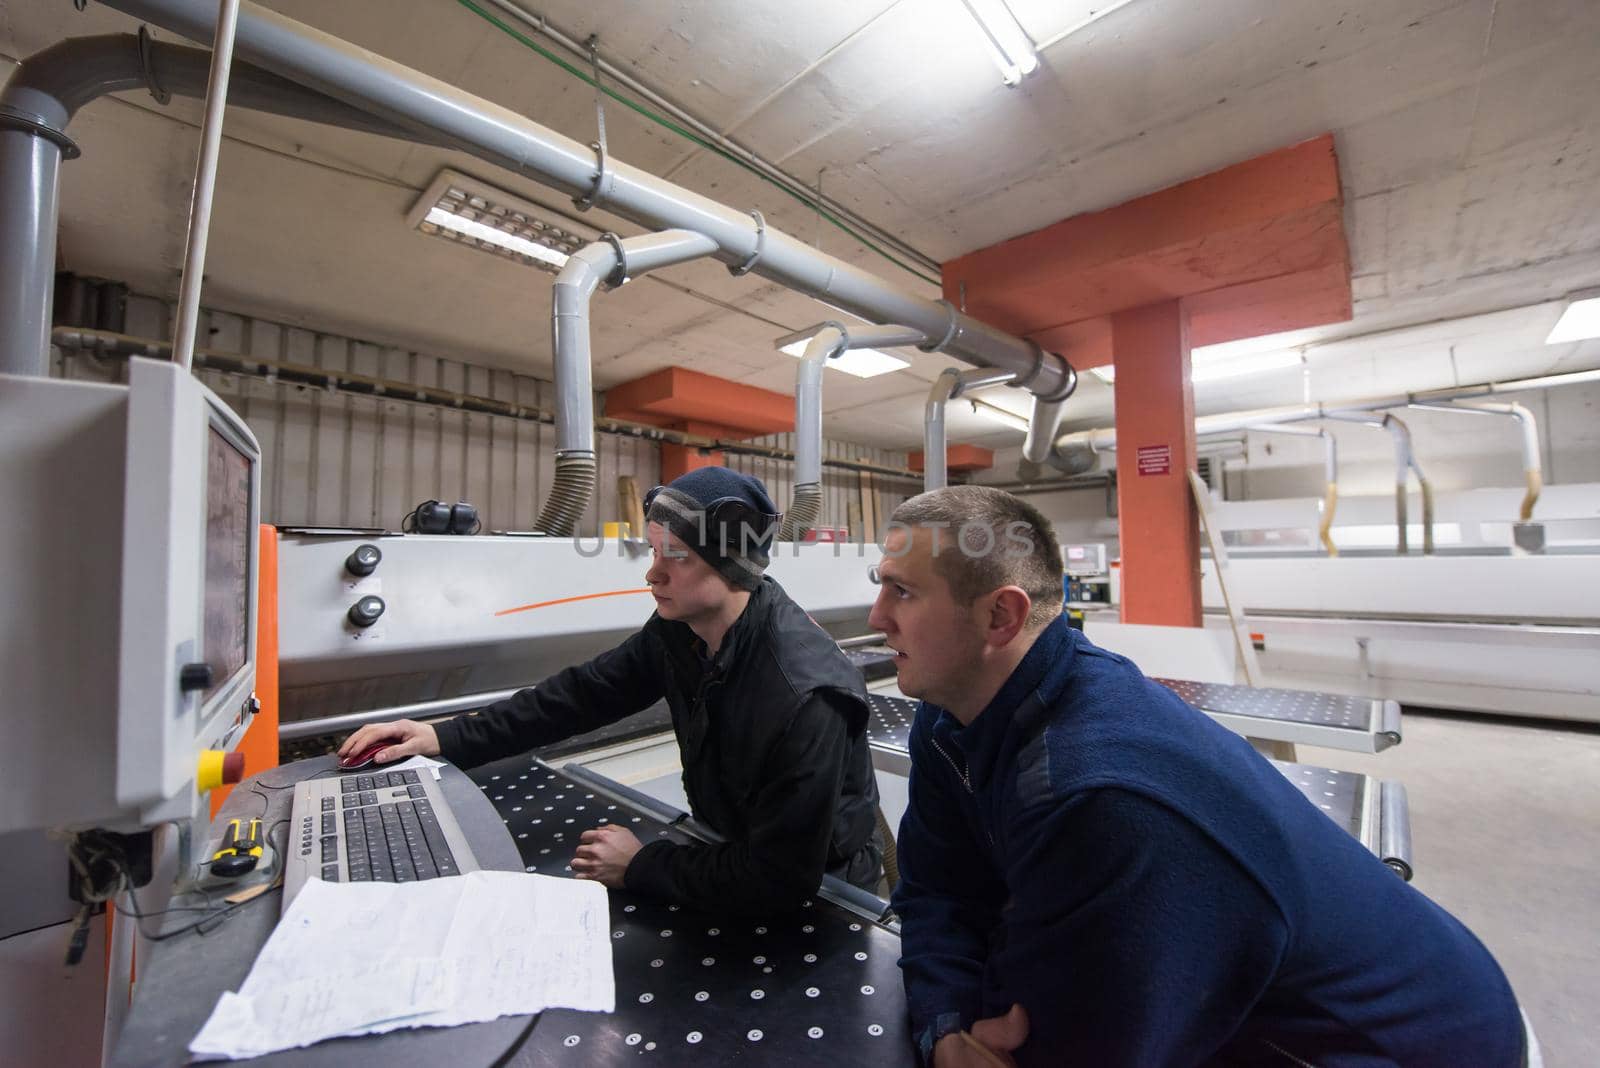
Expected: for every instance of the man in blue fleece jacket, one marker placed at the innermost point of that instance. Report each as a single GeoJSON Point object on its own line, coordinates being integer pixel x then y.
{"type": "Point", "coordinates": [1094, 873]}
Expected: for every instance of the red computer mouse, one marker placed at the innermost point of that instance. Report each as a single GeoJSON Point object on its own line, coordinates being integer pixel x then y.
{"type": "Point", "coordinates": [363, 758]}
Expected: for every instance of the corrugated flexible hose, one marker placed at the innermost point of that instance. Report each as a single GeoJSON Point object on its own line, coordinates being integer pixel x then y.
{"type": "Point", "coordinates": [803, 511]}
{"type": "Point", "coordinates": [569, 496]}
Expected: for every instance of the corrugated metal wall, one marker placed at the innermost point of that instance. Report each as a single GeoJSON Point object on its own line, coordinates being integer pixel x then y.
{"type": "Point", "coordinates": [335, 460]}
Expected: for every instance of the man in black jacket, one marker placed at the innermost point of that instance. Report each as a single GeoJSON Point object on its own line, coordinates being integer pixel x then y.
{"type": "Point", "coordinates": [770, 716]}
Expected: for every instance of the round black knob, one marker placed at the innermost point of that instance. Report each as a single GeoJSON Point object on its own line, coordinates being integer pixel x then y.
{"type": "Point", "coordinates": [364, 561]}
{"type": "Point", "coordinates": [365, 612]}
{"type": "Point", "coordinates": [195, 677]}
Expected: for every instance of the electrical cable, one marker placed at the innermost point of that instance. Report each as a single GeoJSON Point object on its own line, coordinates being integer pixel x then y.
{"type": "Point", "coordinates": [95, 892]}
{"type": "Point", "coordinates": [689, 135]}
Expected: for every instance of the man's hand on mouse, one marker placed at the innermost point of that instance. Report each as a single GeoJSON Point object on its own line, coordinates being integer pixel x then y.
{"type": "Point", "coordinates": [407, 738]}
{"type": "Point", "coordinates": [604, 853]}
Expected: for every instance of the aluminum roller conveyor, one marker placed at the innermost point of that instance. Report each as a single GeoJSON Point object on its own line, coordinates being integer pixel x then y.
{"type": "Point", "coordinates": [1305, 717]}
{"type": "Point", "coordinates": [1373, 810]}
{"type": "Point", "coordinates": [873, 661]}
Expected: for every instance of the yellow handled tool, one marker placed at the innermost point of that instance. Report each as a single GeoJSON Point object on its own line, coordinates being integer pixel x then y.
{"type": "Point", "coordinates": [240, 849]}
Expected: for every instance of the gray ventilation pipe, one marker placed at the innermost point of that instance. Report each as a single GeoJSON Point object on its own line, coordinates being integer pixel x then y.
{"type": "Point", "coordinates": [1532, 469]}
{"type": "Point", "coordinates": [950, 384]}
{"type": "Point", "coordinates": [502, 137]}
{"type": "Point", "coordinates": [806, 505]}
{"type": "Point", "coordinates": [40, 99]}
{"type": "Point", "coordinates": [1330, 475]}
{"type": "Point", "coordinates": [826, 340]}
{"type": "Point", "coordinates": [1043, 425]}
{"type": "Point", "coordinates": [1405, 459]}
{"type": "Point", "coordinates": [935, 468]}
{"type": "Point", "coordinates": [1106, 437]}
{"type": "Point", "coordinates": [610, 262]}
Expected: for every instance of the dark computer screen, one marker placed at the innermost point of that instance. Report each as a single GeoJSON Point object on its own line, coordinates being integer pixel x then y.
{"type": "Point", "coordinates": [227, 591]}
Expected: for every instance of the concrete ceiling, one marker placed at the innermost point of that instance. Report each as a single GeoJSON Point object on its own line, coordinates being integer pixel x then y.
{"type": "Point", "coordinates": [1464, 130]}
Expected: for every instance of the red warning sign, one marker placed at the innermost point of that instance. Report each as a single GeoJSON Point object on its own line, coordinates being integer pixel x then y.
{"type": "Point", "coordinates": [1155, 459]}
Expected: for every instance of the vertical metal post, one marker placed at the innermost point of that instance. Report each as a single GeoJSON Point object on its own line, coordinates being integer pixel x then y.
{"type": "Point", "coordinates": [30, 169]}
{"type": "Point", "coordinates": [205, 181]}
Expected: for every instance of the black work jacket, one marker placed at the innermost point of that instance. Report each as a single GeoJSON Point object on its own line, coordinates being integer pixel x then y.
{"type": "Point", "coordinates": [772, 735]}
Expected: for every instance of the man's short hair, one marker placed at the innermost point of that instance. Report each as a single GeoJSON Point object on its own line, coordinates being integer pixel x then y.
{"type": "Point", "coordinates": [987, 539]}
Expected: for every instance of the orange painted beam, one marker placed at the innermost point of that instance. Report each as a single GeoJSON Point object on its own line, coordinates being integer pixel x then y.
{"type": "Point", "coordinates": [677, 397]}
{"type": "Point", "coordinates": [957, 458]}
{"type": "Point", "coordinates": [1157, 523]}
{"type": "Point", "coordinates": [1257, 244]}
{"type": "Point", "coordinates": [1272, 306]}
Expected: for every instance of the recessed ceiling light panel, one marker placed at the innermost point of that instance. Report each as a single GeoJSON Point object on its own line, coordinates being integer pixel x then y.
{"type": "Point", "coordinates": [468, 212]}
{"type": "Point", "coordinates": [1580, 320]}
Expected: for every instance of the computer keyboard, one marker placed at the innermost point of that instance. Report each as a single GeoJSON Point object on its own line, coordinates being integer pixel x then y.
{"type": "Point", "coordinates": [379, 826]}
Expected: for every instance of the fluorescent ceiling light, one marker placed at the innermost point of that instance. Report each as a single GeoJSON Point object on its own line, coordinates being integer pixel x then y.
{"type": "Point", "coordinates": [1208, 364]}
{"type": "Point", "coordinates": [863, 363]}
{"type": "Point", "coordinates": [1580, 321]}
{"type": "Point", "coordinates": [473, 213]}
{"type": "Point", "coordinates": [1008, 44]}
{"type": "Point", "coordinates": [512, 241]}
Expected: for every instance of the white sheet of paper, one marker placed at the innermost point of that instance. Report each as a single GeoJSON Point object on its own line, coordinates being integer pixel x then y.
{"type": "Point", "coordinates": [359, 958]}
{"type": "Point", "coordinates": [417, 762]}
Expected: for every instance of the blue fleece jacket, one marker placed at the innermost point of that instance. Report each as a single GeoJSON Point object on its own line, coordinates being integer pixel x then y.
{"type": "Point", "coordinates": [1154, 892]}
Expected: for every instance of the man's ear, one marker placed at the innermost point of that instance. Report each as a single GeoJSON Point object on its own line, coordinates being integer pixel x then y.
{"type": "Point", "coordinates": [1008, 614]}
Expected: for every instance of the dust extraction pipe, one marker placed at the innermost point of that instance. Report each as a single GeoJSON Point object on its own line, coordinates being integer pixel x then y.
{"type": "Point", "coordinates": [610, 263]}
{"type": "Point", "coordinates": [1067, 446]}
{"type": "Point", "coordinates": [500, 136]}
{"type": "Point", "coordinates": [806, 506]}
{"type": "Point", "coordinates": [38, 102]}
{"type": "Point", "coordinates": [827, 340]}
{"type": "Point", "coordinates": [935, 470]}
{"type": "Point", "coordinates": [950, 384]}
{"type": "Point", "coordinates": [1405, 460]}
{"type": "Point", "coordinates": [1330, 475]}
{"type": "Point", "coordinates": [1532, 470]}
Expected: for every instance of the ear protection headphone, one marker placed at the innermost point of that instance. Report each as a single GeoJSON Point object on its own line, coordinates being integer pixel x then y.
{"type": "Point", "coordinates": [436, 517]}
{"type": "Point", "coordinates": [732, 514]}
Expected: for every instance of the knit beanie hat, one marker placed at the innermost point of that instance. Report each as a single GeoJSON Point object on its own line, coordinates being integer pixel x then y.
{"type": "Point", "coordinates": [725, 516]}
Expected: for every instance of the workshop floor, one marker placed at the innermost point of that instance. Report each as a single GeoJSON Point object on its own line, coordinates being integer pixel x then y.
{"type": "Point", "coordinates": [1505, 832]}
{"type": "Point", "coordinates": [1505, 829]}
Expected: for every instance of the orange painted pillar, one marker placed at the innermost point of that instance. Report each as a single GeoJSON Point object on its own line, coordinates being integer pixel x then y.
{"type": "Point", "coordinates": [1159, 527]}
{"type": "Point", "coordinates": [681, 459]}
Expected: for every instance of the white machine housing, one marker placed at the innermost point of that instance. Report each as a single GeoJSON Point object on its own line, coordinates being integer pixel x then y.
{"type": "Point", "coordinates": [108, 591]}
{"type": "Point", "coordinates": [466, 615]}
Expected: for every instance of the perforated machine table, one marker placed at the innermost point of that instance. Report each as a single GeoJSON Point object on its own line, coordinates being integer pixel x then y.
{"type": "Point", "coordinates": [873, 661]}
{"type": "Point", "coordinates": [1373, 810]}
{"type": "Point", "coordinates": [816, 985]}
{"type": "Point", "coordinates": [1337, 721]}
